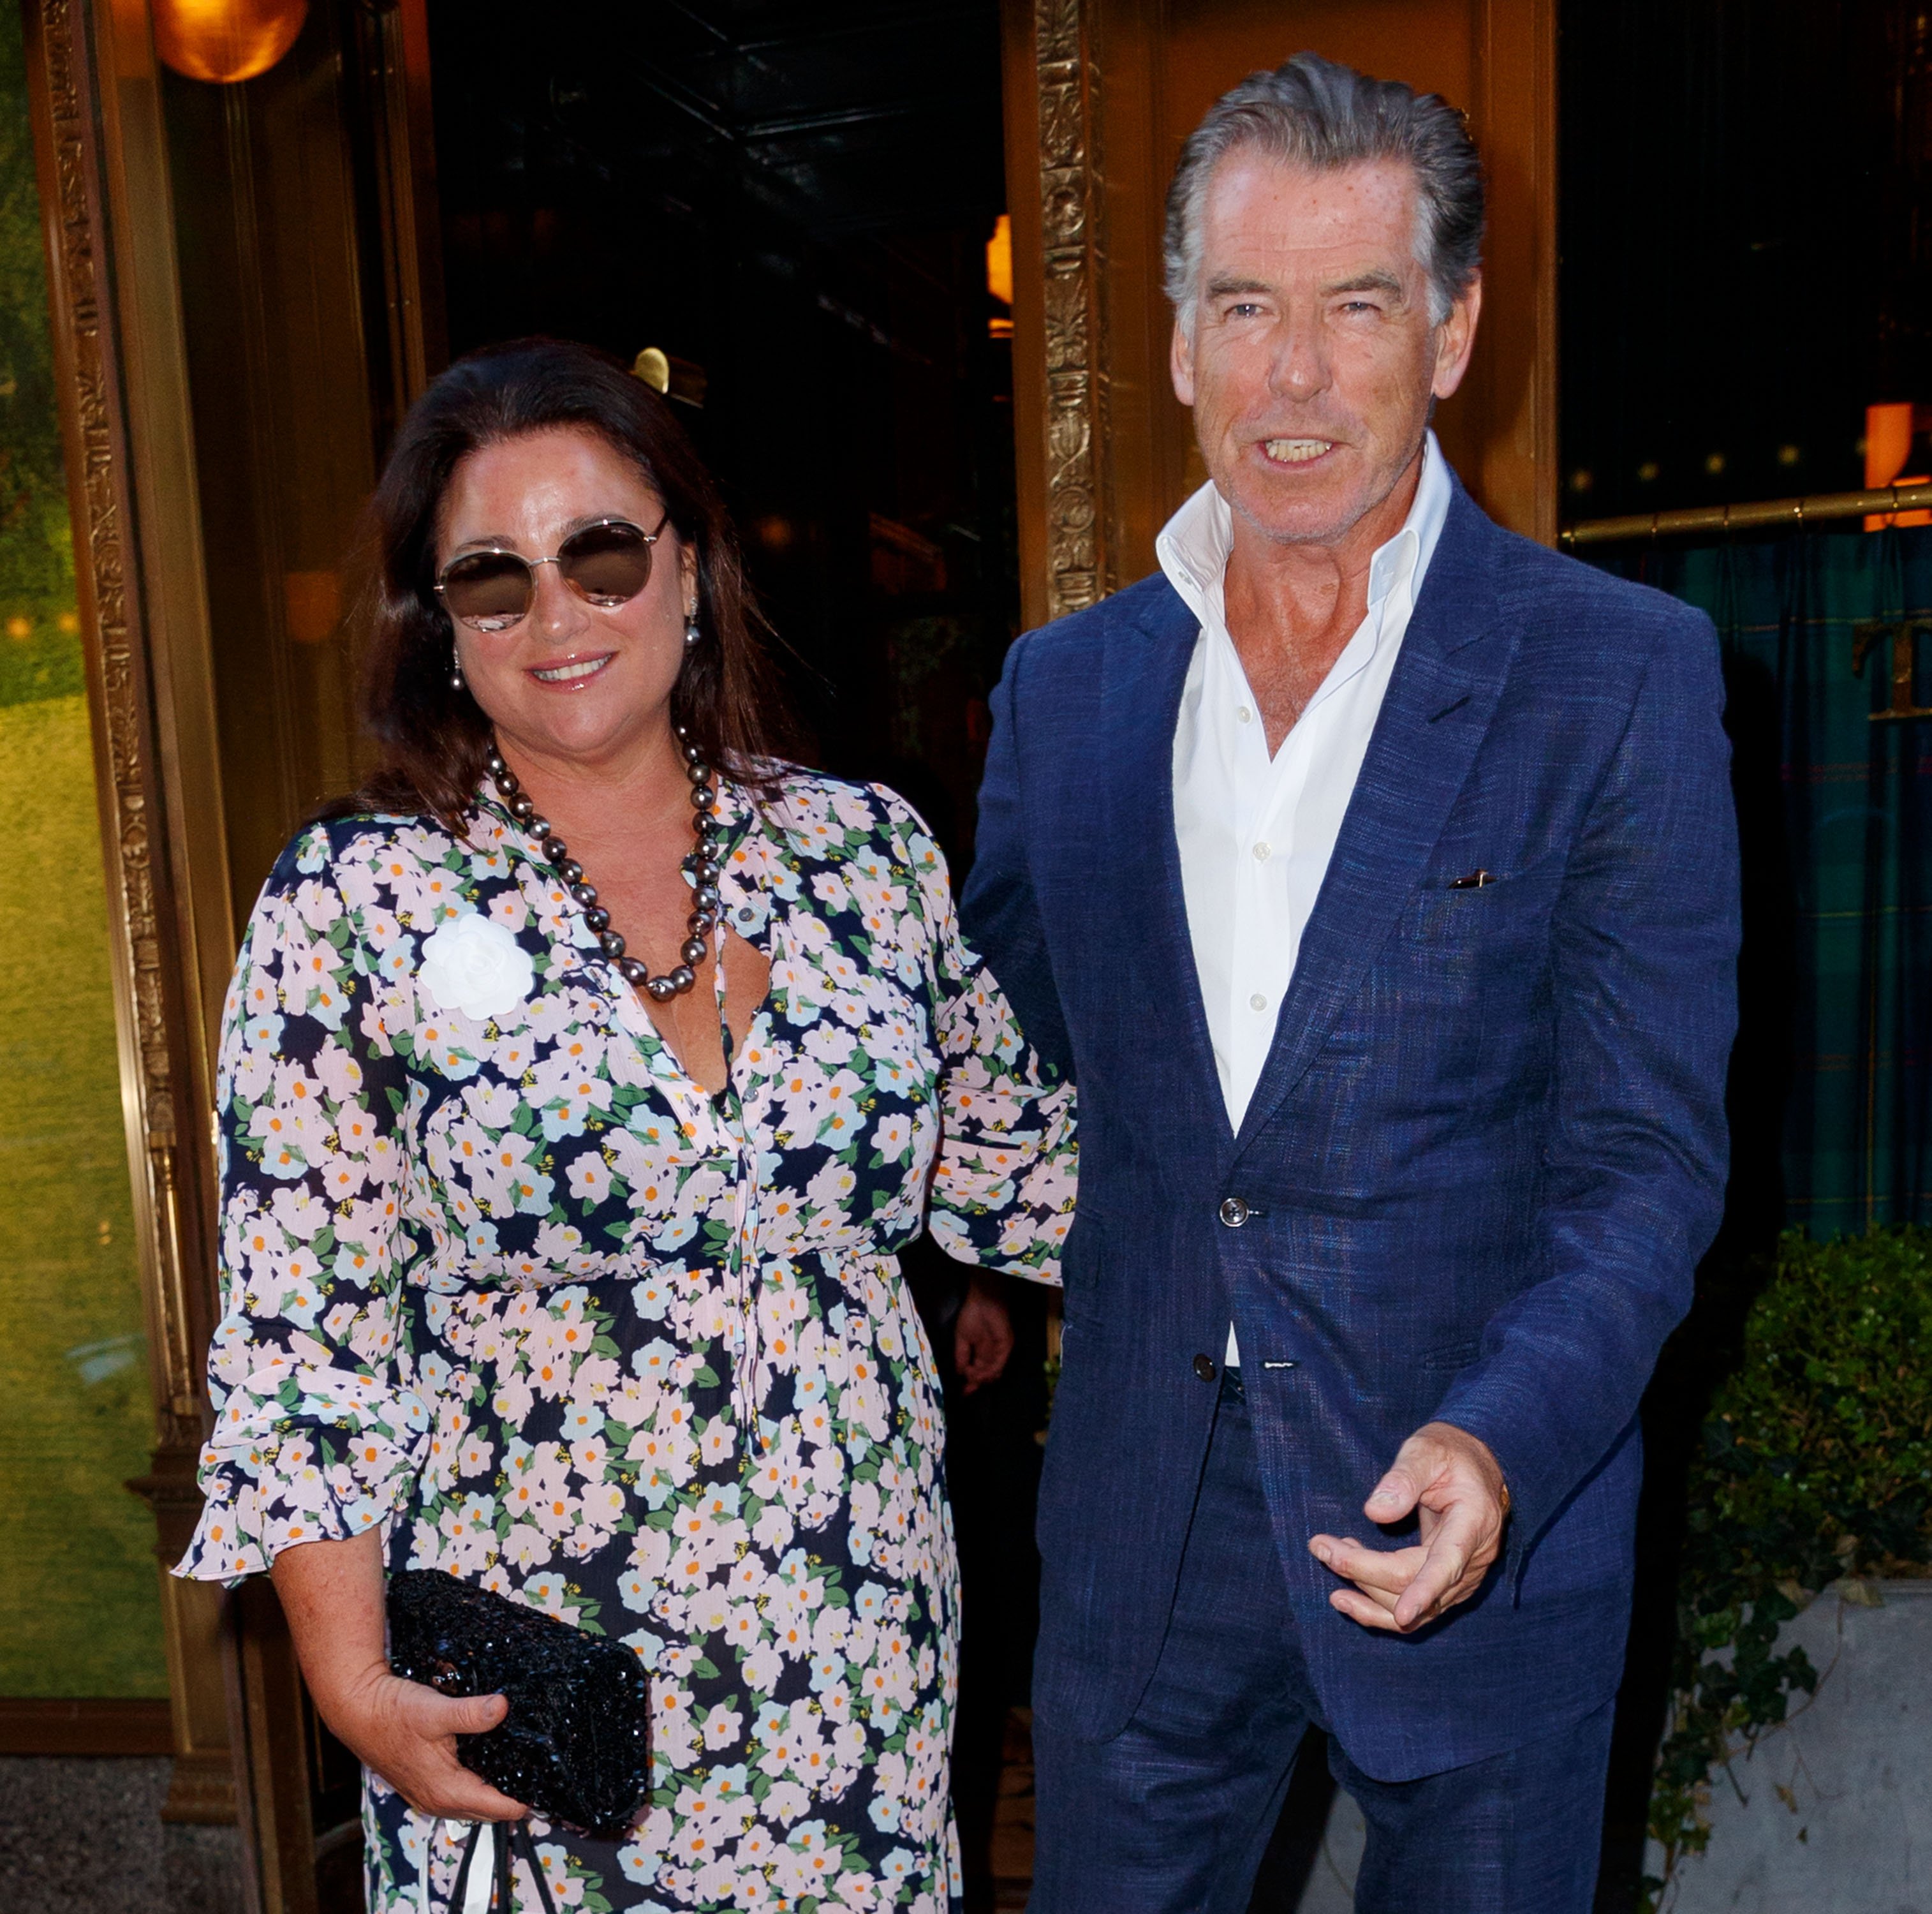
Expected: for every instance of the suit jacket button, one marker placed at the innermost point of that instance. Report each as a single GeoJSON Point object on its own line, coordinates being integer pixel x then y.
{"type": "Point", "coordinates": [1233, 1211]}
{"type": "Point", "coordinates": [1203, 1367]}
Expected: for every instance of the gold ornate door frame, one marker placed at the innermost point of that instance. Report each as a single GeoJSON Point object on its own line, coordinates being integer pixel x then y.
{"type": "Point", "coordinates": [127, 438]}
{"type": "Point", "coordinates": [122, 151]}
{"type": "Point", "coordinates": [1068, 546]}
{"type": "Point", "coordinates": [1099, 96]}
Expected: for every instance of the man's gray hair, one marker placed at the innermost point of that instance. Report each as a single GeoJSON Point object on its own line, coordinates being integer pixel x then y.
{"type": "Point", "coordinates": [1312, 113]}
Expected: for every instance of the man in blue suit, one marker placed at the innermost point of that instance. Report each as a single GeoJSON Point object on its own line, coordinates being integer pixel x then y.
{"type": "Point", "coordinates": [1372, 871]}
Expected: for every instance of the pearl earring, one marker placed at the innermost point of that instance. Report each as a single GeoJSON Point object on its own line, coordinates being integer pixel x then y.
{"type": "Point", "coordinates": [691, 631]}
{"type": "Point", "coordinates": [457, 682]}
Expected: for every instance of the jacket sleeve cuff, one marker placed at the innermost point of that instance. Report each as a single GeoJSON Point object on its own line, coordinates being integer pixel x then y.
{"type": "Point", "coordinates": [1531, 1500]}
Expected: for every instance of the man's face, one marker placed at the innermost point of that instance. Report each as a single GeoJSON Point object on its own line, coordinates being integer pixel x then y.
{"type": "Point", "coordinates": [1312, 360]}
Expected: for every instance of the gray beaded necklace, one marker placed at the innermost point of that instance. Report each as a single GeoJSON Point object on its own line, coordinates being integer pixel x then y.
{"type": "Point", "coordinates": [701, 862]}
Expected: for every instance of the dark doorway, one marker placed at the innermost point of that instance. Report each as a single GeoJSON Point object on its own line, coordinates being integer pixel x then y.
{"type": "Point", "coordinates": [792, 204]}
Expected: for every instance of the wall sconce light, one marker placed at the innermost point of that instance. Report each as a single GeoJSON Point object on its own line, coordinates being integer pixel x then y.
{"type": "Point", "coordinates": [999, 277]}
{"type": "Point", "coordinates": [225, 40]}
{"type": "Point", "coordinates": [1889, 431]}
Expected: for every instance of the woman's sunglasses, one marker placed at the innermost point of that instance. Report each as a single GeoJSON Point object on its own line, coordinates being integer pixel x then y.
{"type": "Point", "coordinates": [606, 564]}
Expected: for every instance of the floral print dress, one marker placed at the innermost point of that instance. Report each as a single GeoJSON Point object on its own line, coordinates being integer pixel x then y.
{"type": "Point", "coordinates": [503, 1284]}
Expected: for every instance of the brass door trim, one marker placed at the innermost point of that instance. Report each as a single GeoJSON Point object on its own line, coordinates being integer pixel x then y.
{"type": "Point", "coordinates": [392, 42]}
{"type": "Point", "coordinates": [83, 131]}
{"type": "Point", "coordinates": [116, 154]}
{"type": "Point", "coordinates": [155, 1076]}
{"type": "Point", "coordinates": [96, 459]}
{"type": "Point", "coordinates": [1057, 189]}
{"type": "Point", "coordinates": [1790, 515]}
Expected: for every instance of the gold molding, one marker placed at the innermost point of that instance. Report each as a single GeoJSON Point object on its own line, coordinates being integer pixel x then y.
{"type": "Point", "coordinates": [156, 251]}
{"type": "Point", "coordinates": [76, 123]}
{"type": "Point", "coordinates": [1079, 554]}
{"type": "Point", "coordinates": [98, 478]}
{"type": "Point", "coordinates": [134, 286]}
{"type": "Point", "coordinates": [392, 41]}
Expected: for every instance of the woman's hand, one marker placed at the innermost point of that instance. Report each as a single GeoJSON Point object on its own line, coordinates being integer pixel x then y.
{"type": "Point", "coordinates": [406, 1733]}
{"type": "Point", "coordinates": [982, 1338]}
{"type": "Point", "coordinates": [332, 1594]}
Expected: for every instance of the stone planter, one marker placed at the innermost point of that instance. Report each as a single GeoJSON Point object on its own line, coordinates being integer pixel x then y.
{"type": "Point", "coordinates": [1832, 1812]}
{"type": "Point", "coordinates": [1331, 1889]}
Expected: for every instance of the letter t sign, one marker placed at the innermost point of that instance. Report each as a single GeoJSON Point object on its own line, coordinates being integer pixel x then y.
{"type": "Point", "coordinates": [1904, 634]}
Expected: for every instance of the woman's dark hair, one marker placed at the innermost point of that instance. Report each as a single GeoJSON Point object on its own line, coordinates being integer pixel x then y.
{"type": "Point", "coordinates": [432, 738]}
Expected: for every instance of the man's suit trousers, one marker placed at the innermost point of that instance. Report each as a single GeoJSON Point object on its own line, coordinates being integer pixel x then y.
{"type": "Point", "coordinates": [1173, 1815]}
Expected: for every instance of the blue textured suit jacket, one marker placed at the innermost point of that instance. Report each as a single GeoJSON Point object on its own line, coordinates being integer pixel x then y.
{"type": "Point", "coordinates": [1486, 1154]}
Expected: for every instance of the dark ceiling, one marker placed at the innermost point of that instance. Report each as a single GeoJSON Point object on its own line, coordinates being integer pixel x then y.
{"type": "Point", "coordinates": [870, 116]}
{"type": "Point", "coordinates": [853, 119]}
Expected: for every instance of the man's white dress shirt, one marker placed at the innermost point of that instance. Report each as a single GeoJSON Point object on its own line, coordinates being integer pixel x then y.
{"type": "Point", "coordinates": [1256, 833]}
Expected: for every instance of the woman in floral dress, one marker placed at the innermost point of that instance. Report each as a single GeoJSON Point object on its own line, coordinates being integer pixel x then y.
{"type": "Point", "coordinates": [565, 1264]}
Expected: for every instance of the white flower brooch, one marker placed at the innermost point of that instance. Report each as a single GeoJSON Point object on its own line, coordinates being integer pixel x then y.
{"type": "Point", "coordinates": [476, 966]}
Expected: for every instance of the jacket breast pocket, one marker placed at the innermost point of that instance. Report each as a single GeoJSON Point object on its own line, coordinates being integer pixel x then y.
{"type": "Point", "coordinates": [1469, 952]}
{"type": "Point", "coordinates": [1451, 912]}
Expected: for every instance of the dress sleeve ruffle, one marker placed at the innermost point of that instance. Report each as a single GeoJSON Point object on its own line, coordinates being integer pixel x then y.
{"type": "Point", "coordinates": [314, 1437]}
{"type": "Point", "coordinates": [1003, 1189]}
{"type": "Point", "coordinates": [302, 1453]}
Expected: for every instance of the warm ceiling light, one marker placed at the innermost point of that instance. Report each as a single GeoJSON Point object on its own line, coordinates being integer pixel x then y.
{"type": "Point", "coordinates": [226, 39]}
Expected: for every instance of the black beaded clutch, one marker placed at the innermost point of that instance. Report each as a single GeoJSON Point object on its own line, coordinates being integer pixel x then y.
{"type": "Point", "coordinates": [575, 1744]}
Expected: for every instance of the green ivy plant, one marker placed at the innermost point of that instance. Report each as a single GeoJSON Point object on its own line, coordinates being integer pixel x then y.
{"type": "Point", "coordinates": [1815, 1470]}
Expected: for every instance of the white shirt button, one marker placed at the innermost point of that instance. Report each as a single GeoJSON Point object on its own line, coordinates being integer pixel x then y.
{"type": "Point", "coordinates": [1263, 852]}
{"type": "Point", "coordinates": [1257, 1002]}
{"type": "Point", "coordinates": [1245, 715]}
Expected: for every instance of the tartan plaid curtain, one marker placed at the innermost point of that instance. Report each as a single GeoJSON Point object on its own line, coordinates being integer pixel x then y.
{"type": "Point", "coordinates": [1831, 1087]}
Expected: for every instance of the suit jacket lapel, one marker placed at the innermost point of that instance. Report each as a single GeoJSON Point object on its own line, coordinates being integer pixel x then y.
{"type": "Point", "coordinates": [1147, 655]}
{"type": "Point", "coordinates": [1441, 697]}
